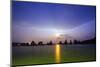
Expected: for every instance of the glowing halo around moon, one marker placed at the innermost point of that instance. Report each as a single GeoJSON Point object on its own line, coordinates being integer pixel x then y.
{"type": "Point", "coordinates": [57, 35]}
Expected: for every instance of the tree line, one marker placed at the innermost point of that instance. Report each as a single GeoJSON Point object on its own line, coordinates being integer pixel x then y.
{"type": "Point", "coordinates": [90, 41]}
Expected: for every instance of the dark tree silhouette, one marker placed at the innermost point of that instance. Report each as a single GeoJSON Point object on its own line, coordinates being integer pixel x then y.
{"type": "Point", "coordinates": [75, 42]}
{"type": "Point", "coordinates": [65, 42]}
{"type": "Point", "coordinates": [22, 44]}
{"type": "Point", "coordinates": [33, 43]}
{"type": "Point", "coordinates": [15, 44]}
{"type": "Point", "coordinates": [50, 43]}
{"type": "Point", "coordinates": [91, 41]}
{"type": "Point", "coordinates": [79, 42]}
{"type": "Point", "coordinates": [40, 43]}
{"type": "Point", "coordinates": [47, 43]}
{"type": "Point", "coordinates": [27, 44]}
{"type": "Point", "coordinates": [60, 43]}
{"type": "Point", "coordinates": [70, 42]}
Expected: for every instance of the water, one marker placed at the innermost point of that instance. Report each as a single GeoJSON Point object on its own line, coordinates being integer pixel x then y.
{"type": "Point", "coordinates": [53, 54]}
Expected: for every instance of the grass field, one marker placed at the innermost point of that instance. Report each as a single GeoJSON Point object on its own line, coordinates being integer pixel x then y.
{"type": "Point", "coordinates": [47, 55]}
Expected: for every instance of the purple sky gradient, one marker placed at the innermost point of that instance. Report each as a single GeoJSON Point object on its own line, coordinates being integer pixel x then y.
{"type": "Point", "coordinates": [41, 21]}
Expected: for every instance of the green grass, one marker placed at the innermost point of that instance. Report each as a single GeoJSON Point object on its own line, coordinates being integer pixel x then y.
{"type": "Point", "coordinates": [34, 60]}
{"type": "Point", "coordinates": [67, 55]}
{"type": "Point", "coordinates": [46, 60]}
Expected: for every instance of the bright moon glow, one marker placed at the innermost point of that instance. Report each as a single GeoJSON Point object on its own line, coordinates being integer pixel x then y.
{"type": "Point", "coordinates": [57, 35]}
{"type": "Point", "coordinates": [57, 53]}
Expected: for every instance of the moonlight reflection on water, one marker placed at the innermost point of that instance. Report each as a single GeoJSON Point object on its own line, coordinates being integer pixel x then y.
{"type": "Point", "coordinates": [57, 53]}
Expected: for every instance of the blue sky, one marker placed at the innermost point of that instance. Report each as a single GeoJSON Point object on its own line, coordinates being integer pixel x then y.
{"type": "Point", "coordinates": [41, 21]}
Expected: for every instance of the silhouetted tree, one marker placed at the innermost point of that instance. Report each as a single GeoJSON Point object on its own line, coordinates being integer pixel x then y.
{"type": "Point", "coordinates": [23, 44]}
{"type": "Point", "coordinates": [79, 42]}
{"type": "Point", "coordinates": [50, 43]}
{"type": "Point", "coordinates": [90, 41]}
{"type": "Point", "coordinates": [33, 43]}
{"type": "Point", "coordinates": [27, 44]}
{"type": "Point", "coordinates": [47, 43]}
{"type": "Point", "coordinates": [60, 42]}
{"type": "Point", "coordinates": [15, 44]}
{"type": "Point", "coordinates": [65, 42]}
{"type": "Point", "coordinates": [70, 42]}
{"type": "Point", "coordinates": [40, 43]}
{"type": "Point", "coordinates": [75, 42]}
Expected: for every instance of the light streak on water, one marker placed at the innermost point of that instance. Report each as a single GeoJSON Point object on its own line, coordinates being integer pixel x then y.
{"type": "Point", "coordinates": [57, 53]}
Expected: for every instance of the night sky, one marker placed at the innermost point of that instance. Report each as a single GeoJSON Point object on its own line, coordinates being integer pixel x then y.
{"type": "Point", "coordinates": [41, 21]}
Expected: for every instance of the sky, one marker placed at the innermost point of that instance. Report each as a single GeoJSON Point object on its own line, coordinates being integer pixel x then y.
{"type": "Point", "coordinates": [42, 21]}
